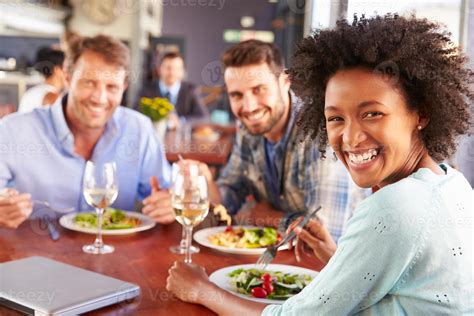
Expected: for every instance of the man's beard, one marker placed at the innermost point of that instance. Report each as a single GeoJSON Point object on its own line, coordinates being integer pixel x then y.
{"type": "Point", "coordinates": [274, 118]}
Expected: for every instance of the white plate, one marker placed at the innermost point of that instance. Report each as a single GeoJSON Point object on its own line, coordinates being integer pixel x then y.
{"type": "Point", "coordinates": [67, 221]}
{"type": "Point", "coordinates": [222, 280]}
{"type": "Point", "coordinates": [202, 237]}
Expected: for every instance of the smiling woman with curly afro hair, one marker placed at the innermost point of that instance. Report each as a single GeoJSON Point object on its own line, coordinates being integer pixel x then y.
{"type": "Point", "coordinates": [389, 94]}
{"type": "Point", "coordinates": [413, 54]}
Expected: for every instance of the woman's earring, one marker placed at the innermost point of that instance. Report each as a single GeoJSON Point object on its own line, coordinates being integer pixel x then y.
{"type": "Point", "coordinates": [419, 127]}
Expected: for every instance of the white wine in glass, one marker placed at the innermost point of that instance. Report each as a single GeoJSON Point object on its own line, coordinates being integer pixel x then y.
{"type": "Point", "coordinates": [100, 190]}
{"type": "Point", "coordinates": [191, 204]}
{"type": "Point", "coordinates": [100, 198]}
{"type": "Point", "coordinates": [175, 169]}
{"type": "Point", "coordinates": [190, 214]}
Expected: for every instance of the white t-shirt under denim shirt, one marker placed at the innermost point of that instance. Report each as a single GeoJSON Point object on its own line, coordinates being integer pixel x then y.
{"type": "Point", "coordinates": [406, 251]}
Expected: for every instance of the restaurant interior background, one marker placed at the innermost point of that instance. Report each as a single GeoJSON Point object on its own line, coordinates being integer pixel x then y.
{"type": "Point", "coordinates": [200, 29]}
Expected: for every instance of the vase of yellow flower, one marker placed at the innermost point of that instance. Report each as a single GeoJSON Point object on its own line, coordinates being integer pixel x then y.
{"type": "Point", "coordinates": [160, 129]}
{"type": "Point", "coordinates": [157, 109]}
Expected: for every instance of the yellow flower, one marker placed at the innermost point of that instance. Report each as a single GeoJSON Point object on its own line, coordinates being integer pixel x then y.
{"type": "Point", "coordinates": [155, 108]}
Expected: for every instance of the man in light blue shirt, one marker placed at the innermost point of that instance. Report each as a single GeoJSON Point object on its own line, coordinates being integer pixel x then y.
{"type": "Point", "coordinates": [43, 153]}
{"type": "Point", "coordinates": [171, 92]}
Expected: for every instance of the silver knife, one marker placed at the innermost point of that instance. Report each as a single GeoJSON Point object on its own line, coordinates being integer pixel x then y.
{"type": "Point", "coordinates": [53, 232]}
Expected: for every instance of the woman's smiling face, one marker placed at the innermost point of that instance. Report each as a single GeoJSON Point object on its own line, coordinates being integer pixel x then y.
{"type": "Point", "coordinates": [370, 127]}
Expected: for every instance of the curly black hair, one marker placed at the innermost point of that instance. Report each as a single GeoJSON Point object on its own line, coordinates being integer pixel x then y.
{"type": "Point", "coordinates": [414, 54]}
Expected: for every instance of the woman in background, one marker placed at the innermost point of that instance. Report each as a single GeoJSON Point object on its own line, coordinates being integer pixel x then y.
{"type": "Point", "coordinates": [49, 62]}
{"type": "Point", "coordinates": [390, 95]}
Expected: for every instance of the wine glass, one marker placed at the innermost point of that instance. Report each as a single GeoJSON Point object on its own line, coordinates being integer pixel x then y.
{"type": "Point", "coordinates": [181, 248]}
{"type": "Point", "coordinates": [100, 190]}
{"type": "Point", "coordinates": [190, 202]}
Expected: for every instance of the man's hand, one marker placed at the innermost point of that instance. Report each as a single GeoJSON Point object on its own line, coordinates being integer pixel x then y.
{"type": "Point", "coordinates": [158, 204]}
{"type": "Point", "coordinates": [204, 170]}
{"type": "Point", "coordinates": [313, 241]}
{"type": "Point", "coordinates": [14, 208]}
{"type": "Point", "coordinates": [213, 190]}
{"type": "Point", "coordinates": [262, 214]}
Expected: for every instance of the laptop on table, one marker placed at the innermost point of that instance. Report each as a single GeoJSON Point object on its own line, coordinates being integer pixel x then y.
{"type": "Point", "coordinates": [41, 286]}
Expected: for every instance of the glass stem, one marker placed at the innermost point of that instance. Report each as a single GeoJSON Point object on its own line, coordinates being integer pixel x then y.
{"type": "Point", "coordinates": [182, 243]}
{"type": "Point", "coordinates": [98, 240]}
{"type": "Point", "coordinates": [189, 234]}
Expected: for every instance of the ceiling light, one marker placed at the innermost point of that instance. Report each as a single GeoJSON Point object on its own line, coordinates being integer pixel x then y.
{"type": "Point", "coordinates": [247, 21]}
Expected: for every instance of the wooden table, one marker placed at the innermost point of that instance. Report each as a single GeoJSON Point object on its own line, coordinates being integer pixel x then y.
{"type": "Point", "coordinates": [212, 153]}
{"type": "Point", "coordinates": [143, 258]}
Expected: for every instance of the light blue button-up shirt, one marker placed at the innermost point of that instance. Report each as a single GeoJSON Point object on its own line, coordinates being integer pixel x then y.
{"type": "Point", "coordinates": [173, 90]}
{"type": "Point", "coordinates": [37, 156]}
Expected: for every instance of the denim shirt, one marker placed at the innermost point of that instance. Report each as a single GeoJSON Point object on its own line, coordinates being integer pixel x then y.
{"type": "Point", "coordinates": [275, 154]}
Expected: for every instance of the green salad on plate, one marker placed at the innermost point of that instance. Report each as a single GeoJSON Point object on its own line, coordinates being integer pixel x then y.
{"type": "Point", "coordinates": [274, 285]}
{"type": "Point", "coordinates": [112, 219]}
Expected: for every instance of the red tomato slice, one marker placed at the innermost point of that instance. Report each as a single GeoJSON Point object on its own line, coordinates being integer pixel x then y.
{"type": "Point", "coordinates": [268, 287]}
{"type": "Point", "coordinates": [259, 292]}
{"type": "Point", "coordinates": [266, 277]}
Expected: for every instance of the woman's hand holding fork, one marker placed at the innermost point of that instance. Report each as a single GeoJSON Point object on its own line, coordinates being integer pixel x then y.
{"type": "Point", "coordinates": [313, 241]}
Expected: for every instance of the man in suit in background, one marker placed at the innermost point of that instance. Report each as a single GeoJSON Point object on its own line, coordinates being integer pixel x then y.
{"type": "Point", "coordinates": [182, 94]}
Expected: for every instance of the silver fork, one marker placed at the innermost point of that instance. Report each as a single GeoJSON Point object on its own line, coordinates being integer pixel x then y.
{"type": "Point", "coordinates": [5, 193]}
{"type": "Point", "coordinates": [270, 253]}
{"type": "Point", "coordinates": [58, 210]}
